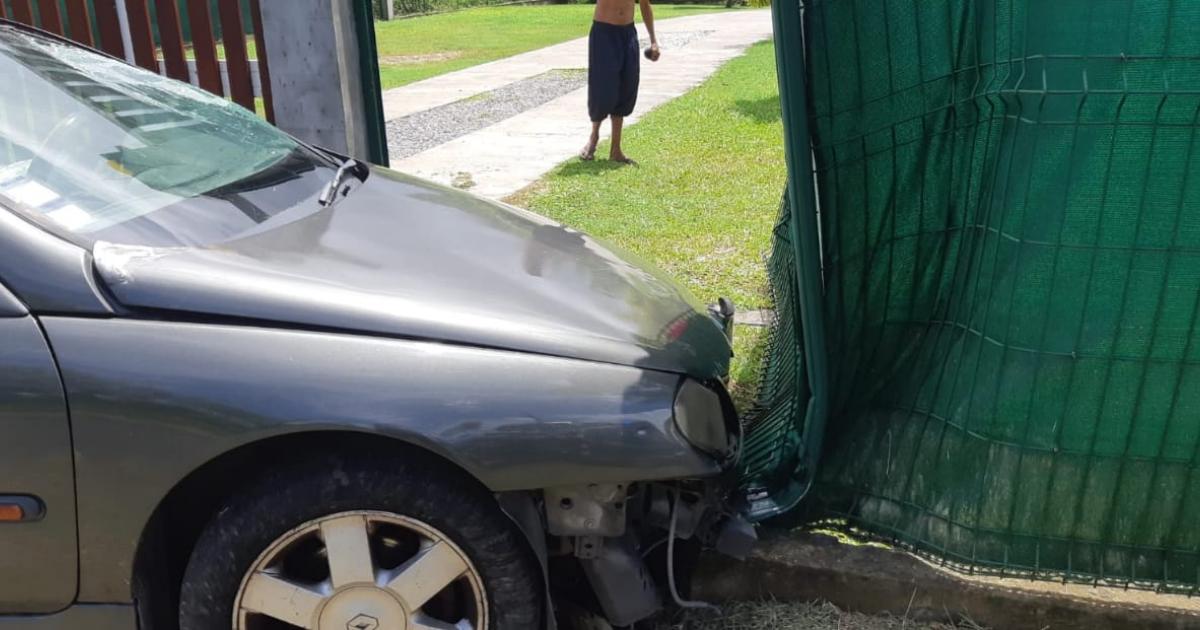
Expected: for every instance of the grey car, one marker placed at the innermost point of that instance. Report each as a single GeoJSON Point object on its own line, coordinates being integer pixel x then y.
{"type": "Point", "coordinates": [248, 383]}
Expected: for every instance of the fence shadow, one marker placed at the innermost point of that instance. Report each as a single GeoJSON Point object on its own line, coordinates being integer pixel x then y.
{"type": "Point", "coordinates": [765, 109]}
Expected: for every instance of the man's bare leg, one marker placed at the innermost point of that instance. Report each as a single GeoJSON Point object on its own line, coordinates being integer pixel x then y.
{"type": "Point", "coordinates": [614, 153]}
{"type": "Point", "coordinates": [589, 150]}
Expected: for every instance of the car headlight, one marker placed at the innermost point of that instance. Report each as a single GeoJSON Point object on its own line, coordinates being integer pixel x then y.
{"type": "Point", "coordinates": [700, 417]}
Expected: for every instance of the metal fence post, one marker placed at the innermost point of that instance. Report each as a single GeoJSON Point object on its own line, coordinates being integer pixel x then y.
{"type": "Point", "coordinates": [387, 10]}
{"type": "Point", "coordinates": [126, 37]}
{"type": "Point", "coordinates": [805, 237]}
{"type": "Point", "coordinates": [372, 90]}
{"type": "Point", "coordinates": [323, 78]}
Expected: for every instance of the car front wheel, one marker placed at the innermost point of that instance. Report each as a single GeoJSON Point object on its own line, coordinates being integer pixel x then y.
{"type": "Point", "coordinates": [361, 546]}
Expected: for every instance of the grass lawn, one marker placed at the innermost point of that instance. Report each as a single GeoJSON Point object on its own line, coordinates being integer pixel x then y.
{"type": "Point", "coordinates": [703, 201]}
{"type": "Point", "coordinates": [749, 348]}
{"type": "Point", "coordinates": [251, 49]}
{"type": "Point", "coordinates": [418, 48]}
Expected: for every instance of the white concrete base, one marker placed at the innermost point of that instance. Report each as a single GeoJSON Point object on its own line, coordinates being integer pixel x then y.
{"type": "Point", "coordinates": [510, 155]}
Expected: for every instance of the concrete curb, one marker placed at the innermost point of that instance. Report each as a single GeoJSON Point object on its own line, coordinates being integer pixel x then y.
{"type": "Point", "coordinates": [872, 579]}
{"type": "Point", "coordinates": [762, 318]}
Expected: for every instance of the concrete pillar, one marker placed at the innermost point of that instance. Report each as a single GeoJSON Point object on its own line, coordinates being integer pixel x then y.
{"type": "Point", "coordinates": [316, 82]}
{"type": "Point", "coordinates": [387, 9]}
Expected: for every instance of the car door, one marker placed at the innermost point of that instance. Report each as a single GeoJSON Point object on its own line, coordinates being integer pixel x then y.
{"type": "Point", "coordinates": [38, 548]}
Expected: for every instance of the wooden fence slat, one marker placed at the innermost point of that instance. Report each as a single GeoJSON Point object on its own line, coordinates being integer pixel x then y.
{"type": "Point", "coordinates": [50, 15]}
{"type": "Point", "coordinates": [109, 26]}
{"type": "Point", "coordinates": [22, 11]}
{"type": "Point", "coordinates": [80, 22]}
{"type": "Point", "coordinates": [264, 73]}
{"type": "Point", "coordinates": [233, 38]}
{"type": "Point", "coordinates": [208, 69]}
{"type": "Point", "coordinates": [170, 38]}
{"type": "Point", "coordinates": [141, 34]}
{"type": "Point", "coordinates": [2, 9]}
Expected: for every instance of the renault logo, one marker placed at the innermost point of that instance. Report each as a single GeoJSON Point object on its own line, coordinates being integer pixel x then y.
{"type": "Point", "coordinates": [363, 622]}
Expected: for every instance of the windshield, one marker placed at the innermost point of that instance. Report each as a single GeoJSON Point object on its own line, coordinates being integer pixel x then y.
{"type": "Point", "coordinates": [114, 153]}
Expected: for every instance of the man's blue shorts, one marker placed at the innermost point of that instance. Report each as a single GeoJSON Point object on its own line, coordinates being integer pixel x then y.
{"type": "Point", "coordinates": [614, 69]}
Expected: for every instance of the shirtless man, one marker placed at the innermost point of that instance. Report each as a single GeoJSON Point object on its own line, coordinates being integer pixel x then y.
{"type": "Point", "coordinates": [613, 70]}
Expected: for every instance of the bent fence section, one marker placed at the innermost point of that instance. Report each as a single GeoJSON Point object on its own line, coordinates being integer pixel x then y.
{"type": "Point", "coordinates": [1009, 260]}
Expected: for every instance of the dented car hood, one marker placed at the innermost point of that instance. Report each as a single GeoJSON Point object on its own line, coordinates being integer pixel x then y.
{"type": "Point", "coordinates": [406, 258]}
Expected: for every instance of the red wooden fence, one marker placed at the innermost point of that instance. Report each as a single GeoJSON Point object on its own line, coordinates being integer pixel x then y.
{"type": "Point", "coordinates": [80, 22]}
{"type": "Point", "coordinates": [170, 56]}
{"type": "Point", "coordinates": [51, 18]}
{"type": "Point", "coordinates": [204, 47]}
{"type": "Point", "coordinates": [22, 11]}
{"type": "Point", "coordinates": [110, 28]}
{"type": "Point", "coordinates": [241, 88]}
{"type": "Point", "coordinates": [260, 50]}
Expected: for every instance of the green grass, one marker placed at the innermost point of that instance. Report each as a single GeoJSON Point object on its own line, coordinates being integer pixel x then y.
{"type": "Point", "coordinates": [703, 201]}
{"type": "Point", "coordinates": [251, 50]}
{"type": "Point", "coordinates": [473, 36]}
{"type": "Point", "coordinates": [749, 346]}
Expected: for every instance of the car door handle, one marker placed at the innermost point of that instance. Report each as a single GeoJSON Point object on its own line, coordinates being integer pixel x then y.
{"type": "Point", "coordinates": [18, 508]}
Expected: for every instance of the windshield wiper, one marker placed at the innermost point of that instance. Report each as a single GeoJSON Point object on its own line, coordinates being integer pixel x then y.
{"type": "Point", "coordinates": [329, 195]}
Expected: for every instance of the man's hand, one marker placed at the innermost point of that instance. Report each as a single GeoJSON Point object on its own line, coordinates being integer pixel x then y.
{"type": "Point", "coordinates": [652, 52]}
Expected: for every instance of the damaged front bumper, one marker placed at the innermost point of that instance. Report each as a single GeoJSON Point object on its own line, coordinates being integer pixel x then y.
{"type": "Point", "coordinates": [611, 547]}
{"type": "Point", "coordinates": [615, 533]}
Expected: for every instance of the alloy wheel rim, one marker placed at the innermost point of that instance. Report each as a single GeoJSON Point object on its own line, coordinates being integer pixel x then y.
{"type": "Point", "coordinates": [362, 570]}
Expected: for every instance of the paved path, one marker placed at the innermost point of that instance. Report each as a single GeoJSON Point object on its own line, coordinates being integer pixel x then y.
{"type": "Point", "coordinates": [511, 154]}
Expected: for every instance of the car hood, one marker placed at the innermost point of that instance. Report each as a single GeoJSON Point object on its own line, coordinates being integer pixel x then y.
{"type": "Point", "coordinates": [406, 258]}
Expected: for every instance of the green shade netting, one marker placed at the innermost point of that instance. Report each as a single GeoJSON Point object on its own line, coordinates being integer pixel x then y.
{"type": "Point", "coordinates": [1009, 202]}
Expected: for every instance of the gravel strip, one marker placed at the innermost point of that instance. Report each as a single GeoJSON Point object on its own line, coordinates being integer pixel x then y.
{"type": "Point", "coordinates": [418, 132]}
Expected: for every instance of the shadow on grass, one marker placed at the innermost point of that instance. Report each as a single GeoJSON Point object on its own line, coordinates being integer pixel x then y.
{"type": "Point", "coordinates": [595, 167]}
{"type": "Point", "coordinates": [764, 110]}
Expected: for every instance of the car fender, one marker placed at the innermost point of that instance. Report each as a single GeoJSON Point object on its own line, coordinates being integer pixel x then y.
{"type": "Point", "coordinates": [151, 401]}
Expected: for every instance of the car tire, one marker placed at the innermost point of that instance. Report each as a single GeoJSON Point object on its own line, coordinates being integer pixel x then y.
{"type": "Point", "coordinates": [416, 493]}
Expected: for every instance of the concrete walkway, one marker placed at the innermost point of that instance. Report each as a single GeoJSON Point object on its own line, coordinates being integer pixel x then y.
{"type": "Point", "coordinates": [511, 154]}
